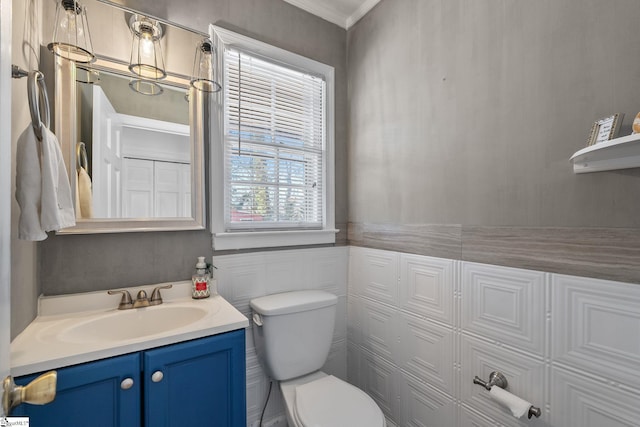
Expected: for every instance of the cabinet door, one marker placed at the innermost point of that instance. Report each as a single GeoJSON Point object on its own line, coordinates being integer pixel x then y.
{"type": "Point", "coordinates": [202, 383]}
{"type": "Point", "coordinates": [90, 395]}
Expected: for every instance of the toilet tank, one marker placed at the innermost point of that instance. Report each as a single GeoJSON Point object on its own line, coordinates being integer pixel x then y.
{"type": "Point", "coordinates": [293, 331]}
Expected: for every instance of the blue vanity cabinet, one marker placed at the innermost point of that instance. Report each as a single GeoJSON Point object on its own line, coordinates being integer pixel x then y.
{"type": "Point", "coordinates": [90, 394]}
{"type": "Point", "coordinates": [193, 383]}
{"type": "Point", "coordinates": [196, 383]}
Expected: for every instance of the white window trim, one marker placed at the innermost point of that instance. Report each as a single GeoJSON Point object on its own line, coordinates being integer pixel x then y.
{"type": "Point", "coordinates": [223, 240]}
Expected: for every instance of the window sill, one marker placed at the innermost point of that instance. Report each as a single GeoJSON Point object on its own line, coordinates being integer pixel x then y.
{"type": "Point", "coordinates": [271, 239]}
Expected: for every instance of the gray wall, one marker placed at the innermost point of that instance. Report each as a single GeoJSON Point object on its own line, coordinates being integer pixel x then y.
{"type": "Point", "coordinates": [93, 262]}
{"type": "Point", "coordinates": [170, 106]}
{"type": "Point", "coordinates": [467, 111]}
{"type": "Point", "coordinates": [26, 19]}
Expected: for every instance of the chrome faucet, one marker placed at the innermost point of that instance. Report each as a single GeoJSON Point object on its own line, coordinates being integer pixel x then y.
{"type": "Point", "coordinates": [126, 302]}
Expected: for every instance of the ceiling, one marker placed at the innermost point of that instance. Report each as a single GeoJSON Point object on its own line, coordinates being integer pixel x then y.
{"type": "Point", "coordinates": [344, 13]}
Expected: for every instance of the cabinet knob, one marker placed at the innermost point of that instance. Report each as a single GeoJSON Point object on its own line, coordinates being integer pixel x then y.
{"type": "Point", "coordinates": [157, 376]}
{"type": "Point", "coordinates": [126, 383]}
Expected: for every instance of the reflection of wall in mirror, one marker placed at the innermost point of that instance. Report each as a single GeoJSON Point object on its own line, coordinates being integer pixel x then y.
{"type": "Point", "coordinates": [170, 106]}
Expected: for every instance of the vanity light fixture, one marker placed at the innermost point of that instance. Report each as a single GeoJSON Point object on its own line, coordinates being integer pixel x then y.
{"type": "Point", "coordinates": [202, 77]}
{"type": "Point", "coordinates": [146, 87]}
{"type": "Point", "coordinates": [71, 37]}
{"type": "Point", "coordinates": [146, 52]}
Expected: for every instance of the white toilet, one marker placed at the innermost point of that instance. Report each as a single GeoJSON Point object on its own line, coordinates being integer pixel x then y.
{"type": "Point", "coordinates": [292, 332]}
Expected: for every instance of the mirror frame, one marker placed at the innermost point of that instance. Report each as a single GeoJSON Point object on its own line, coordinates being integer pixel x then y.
{"type": "Point", "coordinates": [66, 130]}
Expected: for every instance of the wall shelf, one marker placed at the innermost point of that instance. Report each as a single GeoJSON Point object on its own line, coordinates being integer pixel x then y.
{"type": "Point", "coordinates": [618, 153]}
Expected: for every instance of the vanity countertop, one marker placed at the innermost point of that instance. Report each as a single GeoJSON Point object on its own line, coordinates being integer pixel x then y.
{"type": "Point", "coordinates": [78, 328]}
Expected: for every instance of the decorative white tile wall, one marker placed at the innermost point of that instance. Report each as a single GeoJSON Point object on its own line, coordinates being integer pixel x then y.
{"type": "Point", "coordinates": [423, 405]}
{"type": "Point", "coordinates": [377, 274]}
{"type": "Point", "coordinates": [504, 304]}
{"type": "Point", "coordinates": [597, 328]}
{"type": "Point", "coordinates": [468, 418]}
{"type": "Point", "coordinates": [413, 331]}
{"type": "Point", "coordinates": [427, 287]}
{"type": "Point", "coordinates": [419, 329]}
{"type": "Point", "coordinates": [579, 400]}
{"type": "Point", "coordinates": [426, 351]}
{"type": "Point", "coordinates": [379, 329]}
{"type": "Point", "coordinates": [242, 277]}
{"type": "Point", "coordinates": [380, 380]}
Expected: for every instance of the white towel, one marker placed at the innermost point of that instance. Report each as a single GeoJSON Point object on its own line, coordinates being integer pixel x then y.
{"type": "Point", "coordinates": [77, 193]}
{"type": "Point", "coordinates": [84, 193]}
{"type": "Point", "coordinates": [29, 186]}
{"type": "Point", "coordinates": [42, 186]}
{"type": "Point", "coordinates": [57, 205]}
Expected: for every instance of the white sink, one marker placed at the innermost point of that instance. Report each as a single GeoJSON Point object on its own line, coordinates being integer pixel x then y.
{"type": "Point", "coordinates": [78, 328]}
{"type": "Point", "coordinates": [132, 324]}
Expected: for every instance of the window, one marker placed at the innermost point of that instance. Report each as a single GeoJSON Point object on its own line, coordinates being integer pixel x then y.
{"type": "Point", "coordinates": [272, 148]}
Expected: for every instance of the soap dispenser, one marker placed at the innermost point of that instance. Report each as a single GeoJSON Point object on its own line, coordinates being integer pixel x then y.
{"type": "Point", "coordinates": [200, 280]}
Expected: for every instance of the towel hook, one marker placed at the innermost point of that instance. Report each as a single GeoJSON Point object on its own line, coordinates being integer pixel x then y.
{"type": "Point", "coordinates": [37, 93]}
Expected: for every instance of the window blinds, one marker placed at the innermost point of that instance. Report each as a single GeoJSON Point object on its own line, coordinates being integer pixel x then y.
{"type": "Point", "coordinates": [274, 122]}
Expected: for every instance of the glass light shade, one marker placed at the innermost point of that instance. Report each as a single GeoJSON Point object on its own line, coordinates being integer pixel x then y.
{"type": "Point", "coordinates": [146, 87]}
{"type": "Point", "coordinates": [146, 52]}
{"type": "Point", "coordinates": [87, 75]}
{"type": "Point", "coordinates": [71, 37]}
{"type": "Point", "coordinates": [202, 77]}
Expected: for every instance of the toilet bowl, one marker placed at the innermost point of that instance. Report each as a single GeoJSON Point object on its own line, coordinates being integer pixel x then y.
{"type": "Point", "coordinates": [321, 400]}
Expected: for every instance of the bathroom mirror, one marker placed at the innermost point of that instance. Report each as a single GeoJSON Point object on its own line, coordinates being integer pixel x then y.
{"type": "Point", "coordinates": [134, 147]}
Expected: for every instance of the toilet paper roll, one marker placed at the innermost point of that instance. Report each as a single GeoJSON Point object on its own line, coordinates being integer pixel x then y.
{"type": "Point", "coordinates": [518, 406]}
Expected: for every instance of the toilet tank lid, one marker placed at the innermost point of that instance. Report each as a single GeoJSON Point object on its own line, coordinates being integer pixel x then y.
{"type": "Point", "coordinates": [292, 302]}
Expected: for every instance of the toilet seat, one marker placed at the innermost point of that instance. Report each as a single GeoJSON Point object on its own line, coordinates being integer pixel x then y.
{"type": "Point", "coordinates": [329, 401]}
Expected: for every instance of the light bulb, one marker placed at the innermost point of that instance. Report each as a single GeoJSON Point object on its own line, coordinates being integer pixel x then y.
{"type": "Point", "coordinates": [146, 46]}
{"type": "Point", "coordinates": [68, 23]}
{"type": "Point", "coordinates": [206, 66]}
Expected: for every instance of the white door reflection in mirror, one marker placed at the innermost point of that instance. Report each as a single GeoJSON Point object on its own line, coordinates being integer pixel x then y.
{"type": "Point", "coordinates": [156, 189]}
{"type": "Point", "coordinates": [138, 188]}
{"type": "Point", "coordinates": [107, 158]}
{"type": "Point", "coordinates": [172, 190]}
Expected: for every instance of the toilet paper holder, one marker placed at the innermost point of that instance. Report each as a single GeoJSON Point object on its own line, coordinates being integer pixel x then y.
{"type": "Point", "coordinates": [497, 379]}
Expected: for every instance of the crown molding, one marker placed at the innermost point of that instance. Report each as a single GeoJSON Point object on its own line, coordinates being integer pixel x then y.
{"type": "Point", "coordinates": [365, 7]}
{"type": "Point", "coordinates": [330, 14]}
